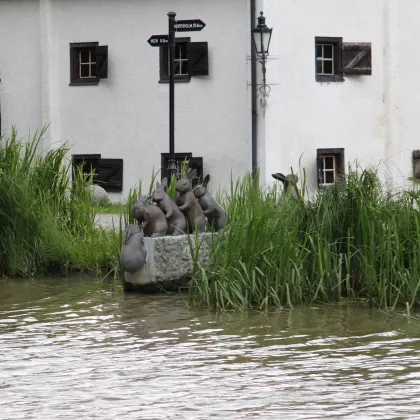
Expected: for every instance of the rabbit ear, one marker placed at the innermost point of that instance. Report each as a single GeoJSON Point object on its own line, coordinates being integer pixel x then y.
{"type": "Point", "coordinates": [206, 180]}
{"type": "Point", "coordinates": [148, 199]}
{"type": "Point", "coordinates": [157, 184]}
{"type": "Point", "coordinates": [192, 174]}
{"type": "Point", "coordinates": [278, 176]}
{"type": "Point", "coordinates": [164, 182]}
{"type": "Point", "coordinates": [142, 198]}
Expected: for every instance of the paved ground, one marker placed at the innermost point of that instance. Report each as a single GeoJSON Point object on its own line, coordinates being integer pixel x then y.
{"type": "Point", "coordinates": [108, 220]}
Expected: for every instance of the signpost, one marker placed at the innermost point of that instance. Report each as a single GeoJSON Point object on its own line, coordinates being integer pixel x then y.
{"type": "Point", "coordinates": [189, 25]}
{"type": "Point", "coordinates": [169, 40]}
{"type": "Point", "coordinates": [158, 40]}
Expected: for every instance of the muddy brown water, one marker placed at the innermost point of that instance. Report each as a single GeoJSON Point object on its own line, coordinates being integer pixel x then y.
{"type": "Point", "coordinates": [81, 349]}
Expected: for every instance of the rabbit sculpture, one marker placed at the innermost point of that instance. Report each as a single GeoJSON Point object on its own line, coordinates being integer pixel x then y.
{"type": "Point", "coordinates": [150, 217]}
{"type": "Point", "coordinates": [174, 216]}
{"type": "Point", "coordinates": [289, 181]}
{"type": "Point", "coordinates": [133, 254]}
{"type": "Point", "coordinates": [188, 204]}
{"type": "Point", "coordinates": [215, 213]}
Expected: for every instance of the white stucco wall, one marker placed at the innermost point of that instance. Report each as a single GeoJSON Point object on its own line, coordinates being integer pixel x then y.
{"type": "Point", "coordinates": [126, 115]}
{"type": "Point", "coordinates": [375, 118]}
{"type": "Point", "coordinates": [20, 71]}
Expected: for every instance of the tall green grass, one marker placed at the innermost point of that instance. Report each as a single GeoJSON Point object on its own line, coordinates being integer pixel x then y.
{"type": "Point", "coordinates": [355, 240]}
{"type": "Point", "coordinates": [46, 219]}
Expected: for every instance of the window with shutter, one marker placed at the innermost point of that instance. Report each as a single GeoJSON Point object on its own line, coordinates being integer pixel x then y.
{"type": "Point", "coordinates": [88, 63]}
{"type": "Point", "coordinates": [330, 166]}
{"type": "Point", "coordinates": [191, 59]}
{"type": "Point", "coordinates": [357, 58]}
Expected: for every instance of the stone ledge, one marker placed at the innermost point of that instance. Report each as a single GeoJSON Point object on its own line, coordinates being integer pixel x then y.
{"type": "Point", "coordinates": [169, 264]}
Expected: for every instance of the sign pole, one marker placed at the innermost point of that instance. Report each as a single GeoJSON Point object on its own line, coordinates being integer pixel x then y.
{"type": "Point", "coordinates": [171, 33]}
{"type": "Point", "coordinates": [169, 40]}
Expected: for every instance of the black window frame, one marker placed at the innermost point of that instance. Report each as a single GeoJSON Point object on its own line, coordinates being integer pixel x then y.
{"type": "Point", "coordinates": [338, 154]}
{"type": "Point", "coordinates": [164, 62]}
{"type": "Point", "coordinates": [101, 63]}
{"type": "Point", "coordinates": [337, 43]}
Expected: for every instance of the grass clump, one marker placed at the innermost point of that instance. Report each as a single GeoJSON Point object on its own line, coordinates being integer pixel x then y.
{"type": "Point", "coordinates": [46, 219]}
{"type": "Point", "coordinates": [355, 240]}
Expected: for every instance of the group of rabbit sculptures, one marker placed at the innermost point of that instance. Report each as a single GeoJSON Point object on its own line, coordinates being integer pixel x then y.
{"type": "Point", "coordinates": [159, 215]}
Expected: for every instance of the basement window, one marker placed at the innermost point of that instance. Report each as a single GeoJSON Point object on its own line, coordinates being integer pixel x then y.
{"type": "Point", "coordinates": [107, 173]}
{"type": "Point", "coordinates": [193, 163]}
{"type": "Point", "coordinates": [88, 63]}
{"type": "Point", "coordinates": [330, 166]}
{"type": "Point", "coordinates": [190, 59]}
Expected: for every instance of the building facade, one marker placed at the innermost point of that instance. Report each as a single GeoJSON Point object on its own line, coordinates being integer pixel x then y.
{"type": "Point", "coordinates": [341, 75]}
{"type": "Point", "coordinates": [85, 68]}
{"type": "Point", "coordinates": [343, 88]}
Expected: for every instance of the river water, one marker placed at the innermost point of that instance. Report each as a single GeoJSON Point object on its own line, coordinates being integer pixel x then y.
{"type": "Point", "coordinates": [81, 349]}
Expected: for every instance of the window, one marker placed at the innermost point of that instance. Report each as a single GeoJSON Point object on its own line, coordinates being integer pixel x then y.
{"type": "Point", "coordinates": [328, 59]}
{"type": "Point", "coordinates": [190, 59]}
{"type": "Point", "coordinates": [335, 58]}
{"type": "Point", "coordinates": [330, 164]}
{"type": "Point", "coordinates": [181, 72]}
{"type": "Point", "coordinates": [88, 63]}
{"type": "Point", "coordinates": [108, 173]}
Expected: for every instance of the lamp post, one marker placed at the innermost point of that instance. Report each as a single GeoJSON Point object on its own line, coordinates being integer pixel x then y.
{"type": "Point", "coordinates": [262, 37]}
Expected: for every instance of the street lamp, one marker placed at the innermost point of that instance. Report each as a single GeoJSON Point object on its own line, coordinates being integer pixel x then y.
{"type": "Point", "coordinates": [262, 37]}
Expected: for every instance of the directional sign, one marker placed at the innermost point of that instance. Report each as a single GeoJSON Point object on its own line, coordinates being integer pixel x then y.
{"type": "Point", "coordinates": [189, 25]}
{"type": "Point", "coordinates": [158, 40]}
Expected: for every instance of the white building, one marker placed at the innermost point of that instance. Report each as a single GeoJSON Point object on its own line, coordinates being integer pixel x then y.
{"type": "Point", "coordinates": [342, 75]}
{"type": "Point", "coordinates": [369, 118]}
{"type": "Point", "coordinates": [113, 102]}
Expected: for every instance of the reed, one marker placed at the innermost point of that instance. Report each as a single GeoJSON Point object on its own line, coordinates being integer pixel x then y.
{"type": "Point", "coordinates": [46, 219]}
{"type": "Point", "coordinates": [355, 240]}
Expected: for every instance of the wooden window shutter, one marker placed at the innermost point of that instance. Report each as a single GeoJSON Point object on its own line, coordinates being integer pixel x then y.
{"type": "Point", "coordinates": [357, 58]}
{"type": "Point", "coordinates": [110, 175]}
{"type": "Point", "coordinates": [198, 58]}
{"type": "Point", "coordinates": [101, 53]}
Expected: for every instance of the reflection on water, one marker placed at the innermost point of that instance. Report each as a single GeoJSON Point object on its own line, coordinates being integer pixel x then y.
{"type": "Point", "coordinates": [82, 350]}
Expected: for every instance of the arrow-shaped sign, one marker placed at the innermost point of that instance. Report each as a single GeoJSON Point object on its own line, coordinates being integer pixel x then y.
{"type": "Point", "coordinates": [189, 25]}
{"type": "Point", "coordinates": [158, 40]}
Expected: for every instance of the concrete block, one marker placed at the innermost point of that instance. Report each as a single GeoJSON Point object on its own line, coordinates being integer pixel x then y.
{"type": "Point", "coordinates": [169, 262]}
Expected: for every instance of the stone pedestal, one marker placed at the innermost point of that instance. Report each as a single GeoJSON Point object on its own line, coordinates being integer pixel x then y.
{"type": "Point", "coordinates": [169, 262]}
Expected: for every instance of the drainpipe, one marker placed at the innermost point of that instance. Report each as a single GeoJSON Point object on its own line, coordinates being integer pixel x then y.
{"type": "Point", "coordinates": [253, 94]}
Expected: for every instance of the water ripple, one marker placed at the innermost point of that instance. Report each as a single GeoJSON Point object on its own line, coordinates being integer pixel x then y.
{"type": "Point", "coordinates": [78, 351]}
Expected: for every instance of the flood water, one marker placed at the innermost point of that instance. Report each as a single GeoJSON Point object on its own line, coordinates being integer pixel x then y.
{"type": "Point", "coordinates": [79, 349]}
